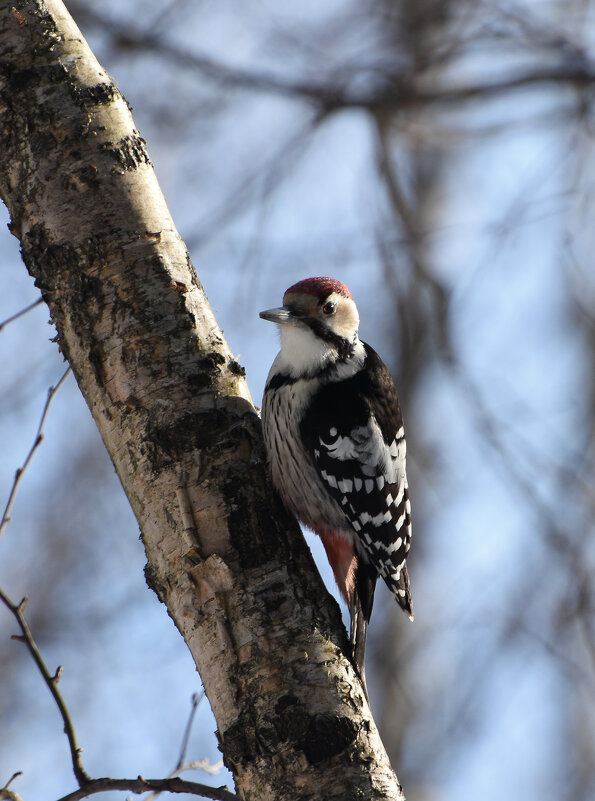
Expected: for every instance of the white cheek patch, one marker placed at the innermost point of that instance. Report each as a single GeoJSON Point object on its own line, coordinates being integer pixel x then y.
{"type": "Point", "coordinates": [302, 353]}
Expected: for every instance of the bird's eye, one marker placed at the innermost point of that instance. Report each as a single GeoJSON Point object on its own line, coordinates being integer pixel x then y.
{"type": "Point", "coordinates": [329, 307]}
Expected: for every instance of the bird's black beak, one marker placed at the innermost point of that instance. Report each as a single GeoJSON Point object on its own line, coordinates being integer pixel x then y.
{"type": "Point", "coordinates": [280, 316]}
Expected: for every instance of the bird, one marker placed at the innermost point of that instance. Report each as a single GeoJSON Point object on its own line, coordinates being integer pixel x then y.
{"type": "Point", "coordinates": [335, 444]}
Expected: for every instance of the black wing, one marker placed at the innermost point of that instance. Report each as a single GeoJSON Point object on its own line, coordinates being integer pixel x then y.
{"type": "Point", "coordinates": [355, 438]}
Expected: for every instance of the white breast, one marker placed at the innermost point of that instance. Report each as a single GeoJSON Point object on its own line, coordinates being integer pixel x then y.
{"type": "Point", "coordinates": [292, 470]}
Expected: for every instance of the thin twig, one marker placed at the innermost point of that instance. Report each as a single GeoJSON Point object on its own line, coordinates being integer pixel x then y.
{"type": "Point", "coordinates": [20, 313]}
{"type": "Point", "coordinates": [12, 778]}
{"type": "Point", "coordinates": [36, 443]}
{"type": "Point", "coordinates": [87, 785]}
{"type": "Point", "coordinates": [141, 785]}
{"type": "Point", "coordinates": [52, 683]}
{"type": "Point", "coordinates": [212, 768]}
{"type": "Point", "coordinates": [181, 765]}
{"type": "Point", "coordinates": [196, 699]}
{"type": "Point", "coordinates": [9, 795]}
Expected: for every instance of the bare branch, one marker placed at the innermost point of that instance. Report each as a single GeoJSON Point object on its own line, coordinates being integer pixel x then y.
{"type": "Point", "coordinates": [196, 699]}
{"type": "Point", "coordinates": [88, 786]}
{"type": "Point", "coordinates": [9, 795]}
{"type": "Point", "coordinates": [20, 313]}
{"type": "Point", "coordinates": [50, 680]}
{"type": "Point", "coordinates": [181, 765]}
{"type": "Point", "coordinates": [141, 785]}
{"type": "Point", "coordinates": [36, 443]}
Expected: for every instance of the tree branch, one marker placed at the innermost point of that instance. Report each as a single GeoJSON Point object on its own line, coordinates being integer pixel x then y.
{"type": "Point", "coordinates": [20, 313]}
{"type": "Point", "coordinates": [196, 699]}
{"type": "Point", "coordinates": [36, 443]}
{"type": "Point", "coordinates": [6, 794]}
{"type": "Point", "coordinates": [142, 785]}
{"type": "Point", "coordinates": [181, 764]}
{"type": "Point", "coordinates": [51, 683]}
{"type": "Point", "coordinates": [87, 785]}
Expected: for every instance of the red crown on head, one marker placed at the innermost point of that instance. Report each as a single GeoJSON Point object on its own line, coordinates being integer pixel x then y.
{"type": "Point", "coordinates": [319, 287]}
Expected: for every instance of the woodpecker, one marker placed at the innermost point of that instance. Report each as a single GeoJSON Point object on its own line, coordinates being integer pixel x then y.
{"type": "Point", "coordinates": [335, 443]}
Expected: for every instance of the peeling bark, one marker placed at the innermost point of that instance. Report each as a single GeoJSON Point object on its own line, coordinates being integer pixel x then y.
{"type": "Point", "coordinates": [175, 414]}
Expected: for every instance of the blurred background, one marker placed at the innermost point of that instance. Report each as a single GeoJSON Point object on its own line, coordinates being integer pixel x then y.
{"type": "Point", "coordinates": [438, 158]}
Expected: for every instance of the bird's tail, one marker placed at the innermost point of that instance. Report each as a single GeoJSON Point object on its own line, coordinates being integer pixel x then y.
{"type": "Point", "coordinates": [402, 592]}
{"type": "Point", "coordinates": [360, 608]}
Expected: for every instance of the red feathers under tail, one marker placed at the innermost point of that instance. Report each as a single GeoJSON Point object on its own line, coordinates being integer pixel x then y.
{"type": "Point", "coordinates": [356, 581]}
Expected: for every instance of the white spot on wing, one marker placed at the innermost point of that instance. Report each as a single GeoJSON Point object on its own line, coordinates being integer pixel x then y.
{"type": "Point", "coordinates": [331, 481]}
{"type": "Point", "coordinates": [400, 494]}
{"type": "Point", "coordinates": [377, 520]}
{"type": "Point", "coordinates": [394, 546]}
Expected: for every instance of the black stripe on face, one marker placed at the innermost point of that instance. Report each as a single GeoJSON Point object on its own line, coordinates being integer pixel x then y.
{"type": "Point", "coordinates": [343, 346]}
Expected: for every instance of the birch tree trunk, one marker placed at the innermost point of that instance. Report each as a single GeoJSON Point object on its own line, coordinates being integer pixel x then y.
{"type": "Point", "coordinates": [175, 414]}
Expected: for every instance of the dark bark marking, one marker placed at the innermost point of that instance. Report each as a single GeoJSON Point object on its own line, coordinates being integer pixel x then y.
{"type": "Point", "coordinates": [237, 369]}
{"type": "Point", "coordinates": [208, 369]}
{"type": "Point", "coordinates": [327, 736]}
{"type": "Point", "coordinates": [97, 95]}
{"type": "Point", "coordinates": [318, 737]}
{"type": "Point", "coordinates": [129, 153]}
